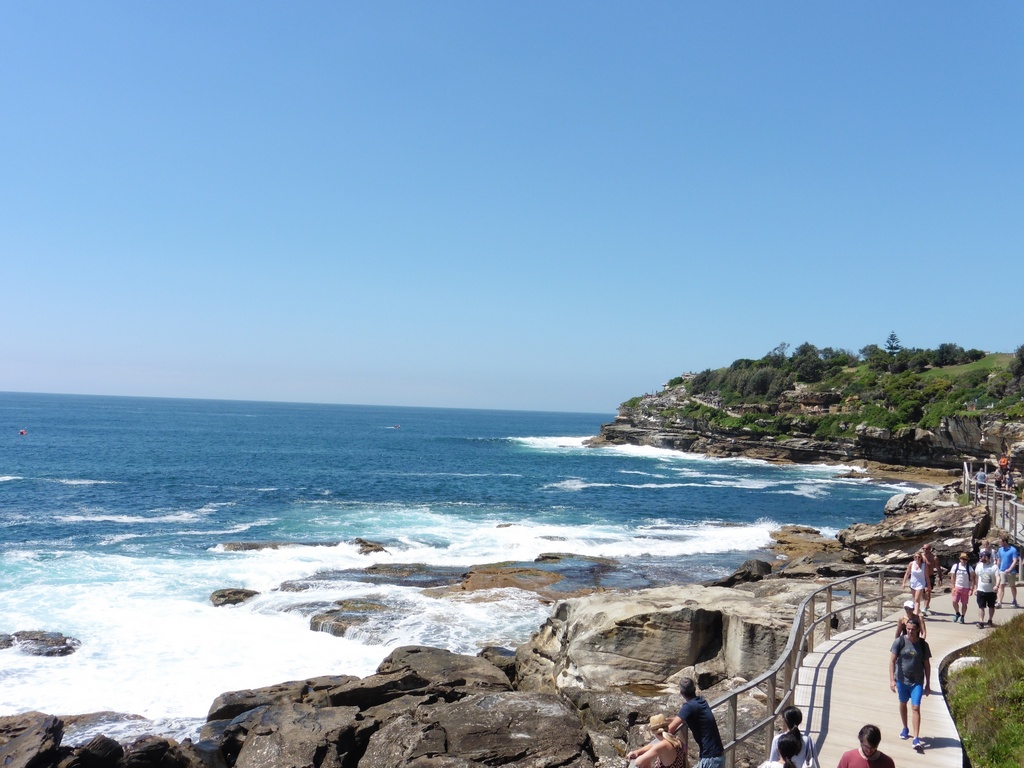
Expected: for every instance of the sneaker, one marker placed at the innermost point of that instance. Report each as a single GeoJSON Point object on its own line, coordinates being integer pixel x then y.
{"type": "Point", "coordinates": [918, 744]}
{"type": "Point", "coordinates": [956, 618]}
{"type": "Point", "coordinates": [1015, 604]}
{"type": "Point", "coordinates": [999, 604]}
{"type": "Point", "coordinates": [905, 734]}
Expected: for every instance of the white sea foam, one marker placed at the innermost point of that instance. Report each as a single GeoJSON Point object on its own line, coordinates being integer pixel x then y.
{"type": "Point", "coordinates": [178, 517]}
{"type": "Point", "coordinates": [552, 443]}
{"type": "Point", "coordinates": [9, 478]}
{"type": "Point", "coordinates": [81, 482]}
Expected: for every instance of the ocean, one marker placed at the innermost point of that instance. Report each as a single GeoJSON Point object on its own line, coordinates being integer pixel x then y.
{"type": "Point", "coordinates": [115, 514]}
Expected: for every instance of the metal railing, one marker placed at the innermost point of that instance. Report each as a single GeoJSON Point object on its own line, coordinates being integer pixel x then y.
{"type": "Point", "coordinates": [779, 683]}
{"type": "Point", "coordinates": [1007, 512]}
{"type": "Point", "coordinates": [838, 598]}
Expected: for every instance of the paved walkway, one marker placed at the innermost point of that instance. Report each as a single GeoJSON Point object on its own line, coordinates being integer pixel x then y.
{"type": "Point", "coordinates": [845, 685]}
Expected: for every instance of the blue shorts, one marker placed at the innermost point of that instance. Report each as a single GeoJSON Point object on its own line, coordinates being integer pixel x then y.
{"type": "Point", "coordinates": [910, 692]}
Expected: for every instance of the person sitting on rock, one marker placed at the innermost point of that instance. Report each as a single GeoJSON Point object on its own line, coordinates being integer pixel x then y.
{"type": "Point", "coordinates": [666, 751]}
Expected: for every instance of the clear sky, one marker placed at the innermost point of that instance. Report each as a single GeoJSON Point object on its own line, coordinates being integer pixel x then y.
{"type": "Point", "coordinates": [528, 205]}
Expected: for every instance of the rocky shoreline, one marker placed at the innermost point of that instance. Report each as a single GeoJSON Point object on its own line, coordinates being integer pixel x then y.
{"type": "Point", "coordinates": [575, 695]}
{"type": "Point", "coordinates": [653, 420]}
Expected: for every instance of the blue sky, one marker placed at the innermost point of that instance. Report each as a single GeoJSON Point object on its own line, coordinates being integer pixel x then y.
{"type": "Point", "coordinates": [530, 205]}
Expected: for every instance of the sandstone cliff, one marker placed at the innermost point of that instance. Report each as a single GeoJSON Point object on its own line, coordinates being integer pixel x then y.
{"type": "Point", "coordinates": [652, 420]}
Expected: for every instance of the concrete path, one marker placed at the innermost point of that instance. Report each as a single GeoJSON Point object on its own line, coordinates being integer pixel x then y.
{"type": "Point", "coordinates": [845, 685]}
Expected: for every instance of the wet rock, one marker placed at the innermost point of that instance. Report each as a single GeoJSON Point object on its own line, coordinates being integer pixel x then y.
{"type": "Point", "coordinates": [232, 596]}
{"type": "Point", "coordinates": [30, 740]}
{"type": "Point", "coordinates": [40, 643]}
{"type": "Point", "coordinates": [234, 703]}
{"type": "Point", "coordinates": [100, 752]}
{"type": "Point", "coordinates": [345, 614]}
{"type": "Point", "coordinates": [751, 570]}
{"type": "Point", "coordinates": [252, 546]}
{"type": "Point", "coordinates": [368, 547]}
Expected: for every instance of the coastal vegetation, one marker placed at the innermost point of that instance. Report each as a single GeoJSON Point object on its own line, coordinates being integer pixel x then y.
{"type": "Point", "coordinates": [828, 392]}
{"type": "Point", "coordinates": [987, 699]}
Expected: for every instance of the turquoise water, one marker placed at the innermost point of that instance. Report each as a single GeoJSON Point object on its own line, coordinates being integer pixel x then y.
{"type": "Point", "coordinates": [114, 513]}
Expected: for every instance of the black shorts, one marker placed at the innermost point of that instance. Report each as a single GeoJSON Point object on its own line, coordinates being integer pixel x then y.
{"type": "Point", "coordinates": [986, 600]}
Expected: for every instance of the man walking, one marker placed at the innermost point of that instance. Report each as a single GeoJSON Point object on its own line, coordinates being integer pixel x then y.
{"type": "Point", "coordinates": [910, 670]}
{"type": "Point", "coordinates": [1009, 560]}
{"type": "Point", "coordinates": [933, 577]}
{"type": "Point", "coordinates": [867, 756]}
{"type": "Point", "coordinates": [699, 718]}
{"type": "Point", "coordinates": [987, 574]}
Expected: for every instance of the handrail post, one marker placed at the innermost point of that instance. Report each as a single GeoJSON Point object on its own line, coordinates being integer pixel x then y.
{"type": "Point", "coordinates": [828, 611]}
{"type": "Point", "coordinates": [810, 621]}
{"type": "Point", "coordinates": [730, 727]}
{"type": "Point", "coordinates": [881, 595]}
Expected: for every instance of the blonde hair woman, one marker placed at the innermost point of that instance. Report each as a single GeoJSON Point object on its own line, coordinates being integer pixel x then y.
{"type": "Point", "coordinates": [667, 751]}
{"type": "Point", "coordinates": [918, 576]}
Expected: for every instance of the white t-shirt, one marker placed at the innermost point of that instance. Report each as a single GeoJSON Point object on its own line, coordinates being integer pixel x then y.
{"type": "Point", "coordinates": [988, 577]}
{"type": "Point", "coordinates": [961, 575]}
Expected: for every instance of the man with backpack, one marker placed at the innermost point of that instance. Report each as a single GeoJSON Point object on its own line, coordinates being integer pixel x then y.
{"type": "Point", "coordinates": [964, 582]}
{"type": "Point", "coordinates": [910, 671]}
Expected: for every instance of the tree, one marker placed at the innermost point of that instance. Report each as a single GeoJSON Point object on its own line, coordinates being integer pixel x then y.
{"type": "Point", "coordinates": [892, 344]}
{"type": "Point", "coordinates": [1017, 363]}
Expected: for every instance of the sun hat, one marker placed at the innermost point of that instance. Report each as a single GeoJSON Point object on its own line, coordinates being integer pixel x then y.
{"type": "Point", "coordinates": [909, 604]}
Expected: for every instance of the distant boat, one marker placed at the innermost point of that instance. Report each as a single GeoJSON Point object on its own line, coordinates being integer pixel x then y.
{"type": "Point", "coordinates": [394, 426]}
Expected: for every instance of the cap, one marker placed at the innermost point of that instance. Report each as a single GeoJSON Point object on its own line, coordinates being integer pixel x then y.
{"type": "Point", "coordinates": [909, 604]}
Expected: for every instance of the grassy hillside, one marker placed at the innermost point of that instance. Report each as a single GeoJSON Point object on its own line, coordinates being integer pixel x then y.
{"type": "Point", "coordinates": [827, 393]}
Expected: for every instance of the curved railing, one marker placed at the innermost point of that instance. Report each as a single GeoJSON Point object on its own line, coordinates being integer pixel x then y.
{"type": "Point", "coordinates": [808, 626]}
{"type": "Point", "coordinates": [1007, 512]}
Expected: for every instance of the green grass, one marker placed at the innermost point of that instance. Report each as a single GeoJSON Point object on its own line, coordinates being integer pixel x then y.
{"type": "Point", "coordinates": [989, 363]}
{"type": "Point", "coordinates": [987, 700]}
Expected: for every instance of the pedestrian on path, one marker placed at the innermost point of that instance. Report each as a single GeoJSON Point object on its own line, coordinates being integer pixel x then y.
{"type": "Point", "coordinates": [792, 717]}
{"type": "Point", "coordinates": [699, 718]}
{"type": "Point", "coordinates": [917, 577]}
{"type": "Point", "coordinates": [908, 614]}
{"type": "Point", "coordinates": [867, 755]}
{"type": "Point", "coordinates": [989, 581]}
{"type": "Point", "coordinates": [1009, 561]}
{"type": "Point", "coordinates": [964, 582]}
{"type": "Point", "coordinates": [910, 670]}
{"type": "Point", "coordinates": [934, 576]}
{"type": "Point", "coordinates": [788, 747]}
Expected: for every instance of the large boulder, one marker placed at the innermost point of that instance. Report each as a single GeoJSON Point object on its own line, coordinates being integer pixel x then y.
{"type": "Point", "coordinates": [613, 640]}
{"type": "Point", "coordinates": [30, 740]}
{"type": "Point", "coordinates": [950, 530]}
{"type": "Point", "coordinates": [233, 703]}
{"type": "Point", "coordinates": [300, 735]}
{"type": "Point", "coordinates": [510, 729]}
{"type": "Point", "coordinates": [420, 670]}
